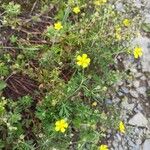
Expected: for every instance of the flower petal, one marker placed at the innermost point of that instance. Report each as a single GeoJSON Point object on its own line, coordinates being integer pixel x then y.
{"type": "Point", "coordinates": [66, 125]}
{"type": "Point", "coordinates": [62, 130]}
{"type": "Point", "coordinates": [88, 60]}
{"type": "Point", "coordinates": [84, 56]}
{"type": "Point", "coordinates": [122, 127]}
{"type": "Point", "coordinates": [79, 63]}
{"type": "Point", "coordinates": [79, 57]}
{"type": "Point", "coordinates": [57, 123]}
{"type": "Point", "coordinates": [84, 65]}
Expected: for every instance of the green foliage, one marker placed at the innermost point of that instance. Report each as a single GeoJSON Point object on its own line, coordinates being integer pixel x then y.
{"type": "Point", "coordinates": [12, 9]}
{"type": "Point", "coordinates": [4, 70]}
{"type": "Point", "coordinates": [13, 39]}
{"type": "Point", "coordinates": [146, 27]}
{"type": "Point", "coordinates": [2, 85]}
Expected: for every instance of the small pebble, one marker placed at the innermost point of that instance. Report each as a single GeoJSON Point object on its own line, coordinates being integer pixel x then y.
{"type": "Point", "coordinates": [134, 93]}
{"type": "Point", "coordinates": [136, 83]}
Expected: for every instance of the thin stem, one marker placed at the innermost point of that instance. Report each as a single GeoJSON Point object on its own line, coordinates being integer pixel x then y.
{"type": "Point", "coordinates": [79, 87]}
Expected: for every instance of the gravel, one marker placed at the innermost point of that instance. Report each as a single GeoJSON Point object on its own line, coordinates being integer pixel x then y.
{"type": "Point", "coordinates": [131, 97]}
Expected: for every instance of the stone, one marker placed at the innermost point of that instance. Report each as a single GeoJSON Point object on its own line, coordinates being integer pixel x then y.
{"type": "Point", "coordinates": [108, 101]}
{"type": "Point", "coordinates": [139, 74]}
{"type": "Point", "coordinates": [134, 93]}
{"type": "Point", "coordinates": [124, 90]}
{"type": "Point", "coordinates": [138, 120]}
{"type": "Point", "coordinates": [143, 77]}
{"type": "Point", "coordinates": [139, 107]}
{"type": "Point", "coordinates": [115, 144]}
{"type": "Point", "coordinates": [147, 3]}
{"type": "Point", "coordinates": [136, 147]}
{"type": "Point", "coordinates": [126, 105]}
{"type": "Point", "coordinates": [136, 110]}
{"type": "Point", "coordinates": [138, 3]}
{"type": "Point", "coordinates": [138, 141]}
{"type": "Point", "coordinates": [131, 144]}
{"type": "Point", "coordinates": [149, 83]}
{"type": "Point", "coordinates": [120, 7]}
{"type": "Point", "coordinates": [136, 83]}
{"type": "Point", "coordinates": [141, 90]}
{"type": "Point", "coordinates": [120, 94]}
{"type": "Point", "coordinates": [120, 147]}
{"type": "Point", "coordinates": [116, 100]}
{"type": "Point", "coordinates": [146, 145]}
{"type": "Point", "coordinates": [133, 70]}
{"type": "Point", "coordinates": [118, 137]}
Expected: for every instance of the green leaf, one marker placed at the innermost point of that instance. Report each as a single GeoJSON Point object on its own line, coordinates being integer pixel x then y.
{"type": "Point", "coordinates": [2, 85]}
{"type": "Point", "coordinates": [146, 27]}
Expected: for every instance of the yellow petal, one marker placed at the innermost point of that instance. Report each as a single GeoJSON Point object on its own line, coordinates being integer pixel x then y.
{"type": "Point", "coordinates": [136, 54]}
{"type": "Point", "coordinates": [79, 57]}
{"type": "Point", "coordinates": [62, 121]}
{"type": "Point", "coordinates": [103, 147]}
{"type": "Point", "coordinates": [88, 60]}
{"type": "Point", "coordinates": [57, 123]}
{"type": "Point", "coordinates": [76, 10]}
{"type": "Point", "coordinates": [94, 104]}
{"type": "Point", "coordinates": [122, 127]}
{"type": "Point", "coordinates": [79, 63]}
{"type": "Point", "coordinates": [84, 56]}
{"type": "Point", "coordinates": [66, 125]}
{"type": "Point", "coordinates": [62, 130]}
{"type": "Point", "coordinates": [84, 65]}
{"type": "Point", "coordinates": [140, 54]}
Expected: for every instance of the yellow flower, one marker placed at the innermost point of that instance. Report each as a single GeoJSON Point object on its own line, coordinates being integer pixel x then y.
{"type": "Point", "coordinates": [58, 26]}
{"type": "Point", "coordinates": [126, 22]}
{"type": "Point", "coordinates": [118, 36]}
{"type": "Point", "coordinates": [137, 52]}
{"type": "Point", "coordinates": [61, 125]}
{"type": "Point", "coordinates": [118, 32]}
{"type": "Point", "coordinates": [100, 2]}
{"type": "Point", "coordinates": [76, 10]}
{"type": "Point", "coordinates": [103, 147]}
{"type": "Point", "coordinates": [121, 127]}
{"type": "Point", "coordinates": [83, 60]}
{"type": "Point", "coordinates": [94, 104]}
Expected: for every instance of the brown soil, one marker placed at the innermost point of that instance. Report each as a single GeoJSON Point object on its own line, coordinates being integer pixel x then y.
{"type": "Point", "coordinates": [20, 85]}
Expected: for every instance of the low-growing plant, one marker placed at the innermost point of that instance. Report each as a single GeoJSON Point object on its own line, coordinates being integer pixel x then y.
{"type": "Point", "coordinates": [57, 69]}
